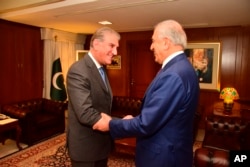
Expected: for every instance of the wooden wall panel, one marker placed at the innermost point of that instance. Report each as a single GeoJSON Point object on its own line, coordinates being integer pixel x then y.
{"type": "Point", "coordinates": [22, 43]}
{"type": "Point", "coordinates": [228, 38]}
{"type": "Point", "coordinates": [21, 62]}
{"type": "Point", "coordinates": [120, 79]}
{"type": "Point", "coordinates": [243, 68]}
{"type": "Point", "coordinates": [234, 67]}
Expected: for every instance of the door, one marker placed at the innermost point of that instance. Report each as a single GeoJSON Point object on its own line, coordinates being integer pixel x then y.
{"type": "Point", "coordinates": [143, 68]}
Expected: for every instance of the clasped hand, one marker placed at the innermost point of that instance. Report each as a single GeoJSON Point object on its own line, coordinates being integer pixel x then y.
{"type": "Point", "coordinates": [103, 123]}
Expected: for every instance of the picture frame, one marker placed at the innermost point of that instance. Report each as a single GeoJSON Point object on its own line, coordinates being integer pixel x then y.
{"type": "Point", "coordinates": [205, 58]}
{"type": "Point", "coordinates": [80, 54]}
{"type": "Point", "coordinates": [116, 63]}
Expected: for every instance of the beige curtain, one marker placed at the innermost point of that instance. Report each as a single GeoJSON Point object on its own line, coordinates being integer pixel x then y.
{"type": "Point", "coordinates": [66, 44]}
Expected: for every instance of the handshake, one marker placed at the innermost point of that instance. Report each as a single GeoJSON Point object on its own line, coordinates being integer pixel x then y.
{"type": "Point", "coordinates": [103, 123]}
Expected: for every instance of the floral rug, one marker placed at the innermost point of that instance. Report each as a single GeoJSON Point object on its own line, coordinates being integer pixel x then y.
{"type": "Point", "coordinates": [52, 153]}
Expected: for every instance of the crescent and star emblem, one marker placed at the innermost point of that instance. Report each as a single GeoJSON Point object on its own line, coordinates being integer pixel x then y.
{"type": "Point", "coordinates": [54, 80]}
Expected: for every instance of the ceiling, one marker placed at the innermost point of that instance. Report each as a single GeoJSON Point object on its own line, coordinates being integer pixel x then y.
{"type": "Point", "coordinates": [82, 16]}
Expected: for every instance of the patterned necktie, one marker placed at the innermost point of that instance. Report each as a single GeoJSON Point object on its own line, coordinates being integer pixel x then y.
{"type": "Point", "coordinates": [101, 70]}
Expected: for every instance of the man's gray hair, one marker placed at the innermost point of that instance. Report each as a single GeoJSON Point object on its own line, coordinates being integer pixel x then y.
{"type": "Point", "coordinates": [172, 30]}
{"type": "Point", "coordinates": [99, 34]}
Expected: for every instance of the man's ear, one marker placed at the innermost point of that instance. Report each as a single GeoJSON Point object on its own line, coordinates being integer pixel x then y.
{"type": "Point", "coordinates": [169, 43]}
{"type": "Point", "coordinates": [166, 43]}
{"type": "Point", "coordinates": [96, 43]}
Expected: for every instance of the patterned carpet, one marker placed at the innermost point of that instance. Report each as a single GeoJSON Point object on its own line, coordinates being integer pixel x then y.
{"type": "Point", "coordinates": [51, 153]}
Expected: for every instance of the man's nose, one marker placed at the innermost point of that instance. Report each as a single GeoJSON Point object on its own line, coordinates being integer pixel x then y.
{"type": "Point", "coordinates": [151, 47]}
{"type": "Point", "coordinates": [114, 51]}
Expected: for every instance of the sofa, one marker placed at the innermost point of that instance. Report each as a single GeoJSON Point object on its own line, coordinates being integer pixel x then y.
{"type": "Point", "coordinates": [124, 105]}
{"type": "Point", "coordinates": [39, 118]}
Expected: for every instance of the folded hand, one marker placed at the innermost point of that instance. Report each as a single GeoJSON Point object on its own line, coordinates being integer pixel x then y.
{"type": "Point", "coordinates": [103, 123]}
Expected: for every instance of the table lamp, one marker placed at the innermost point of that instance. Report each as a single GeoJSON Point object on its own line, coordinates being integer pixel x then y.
{"type": "Point", "coordinates": [229, 94]}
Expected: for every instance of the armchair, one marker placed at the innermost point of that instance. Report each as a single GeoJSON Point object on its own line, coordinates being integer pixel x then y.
{"type": "Point", "coordinates": [38, 118]}
{"type": "Point", "coordinates": [222, 134]}
{"type": "Point", "coordinates": [225, 133]}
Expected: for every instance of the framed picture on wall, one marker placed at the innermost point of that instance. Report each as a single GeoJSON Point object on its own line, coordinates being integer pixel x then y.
{"type": "Point", "coordinates": [80, 54]}
{"type": "Point", "coordinates": [116, 63]}
{"type": "Point", "coordinates": [205, 58]}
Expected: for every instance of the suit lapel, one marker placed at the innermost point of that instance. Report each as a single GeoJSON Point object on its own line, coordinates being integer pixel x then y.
{"type": "Point", "coordinates": [96, 72]}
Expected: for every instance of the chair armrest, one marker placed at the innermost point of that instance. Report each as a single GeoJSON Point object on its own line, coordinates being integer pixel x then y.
{"type": "Point", "coordinates": [205, 157]}
{"type": "Point", "coordinates": [15, 112]}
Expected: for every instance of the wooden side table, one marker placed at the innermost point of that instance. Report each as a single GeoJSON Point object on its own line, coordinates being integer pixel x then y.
{"type": "Point", "coordinates": [8, 125]}
{"type": "Point", "coordinates": [218, 109]}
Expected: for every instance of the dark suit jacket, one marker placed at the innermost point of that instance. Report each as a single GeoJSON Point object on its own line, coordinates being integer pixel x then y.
{"type": "Point", "coordinates": [164, 127]}
{"type": "Point", "coordinates": [88, 96]}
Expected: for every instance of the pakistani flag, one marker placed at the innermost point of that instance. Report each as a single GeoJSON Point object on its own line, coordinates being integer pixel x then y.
{"type": "Point", "coordinates": [57, 89]}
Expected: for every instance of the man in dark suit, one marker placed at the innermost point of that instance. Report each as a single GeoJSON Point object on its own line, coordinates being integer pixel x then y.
{"type": "Point", "coordinates": [89, 96]}
{"type": "Point", "coordinates": [164, 129]}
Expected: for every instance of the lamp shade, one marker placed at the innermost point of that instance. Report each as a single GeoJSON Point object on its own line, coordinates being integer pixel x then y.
{"type": "Point", "coordinates": [229, 93]}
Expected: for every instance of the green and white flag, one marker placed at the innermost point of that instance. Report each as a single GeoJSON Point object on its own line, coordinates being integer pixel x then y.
{"type": "Point", "coordinates": [57, 89]}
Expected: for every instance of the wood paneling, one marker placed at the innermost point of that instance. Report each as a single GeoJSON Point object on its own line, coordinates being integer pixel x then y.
{"type": "Point", "coordinates": [21, 62]}
{"type": "Point", "coordinates": [22, 50]}
{"type": "Point", "coordinates": [235, 61]}
{"type": "Point", "coordinates": [234, 67]}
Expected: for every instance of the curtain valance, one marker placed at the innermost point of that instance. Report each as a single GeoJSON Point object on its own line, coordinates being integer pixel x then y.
{"type": "Point", "coordinates": [63, 36]}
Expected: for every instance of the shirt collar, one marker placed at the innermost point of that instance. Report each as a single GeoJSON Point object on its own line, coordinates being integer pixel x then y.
{"type": "Point", "coordinates": [96, 63]}
{"type": "Point", "coordinates": [170, 58]}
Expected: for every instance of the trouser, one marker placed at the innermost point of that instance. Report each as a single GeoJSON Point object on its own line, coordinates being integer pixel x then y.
{"type": "Point", "coordinates": [100, 163]}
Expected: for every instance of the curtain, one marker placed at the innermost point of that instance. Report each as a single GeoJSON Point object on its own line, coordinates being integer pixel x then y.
{"type": "Point", "coordinates": [66, 44]}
